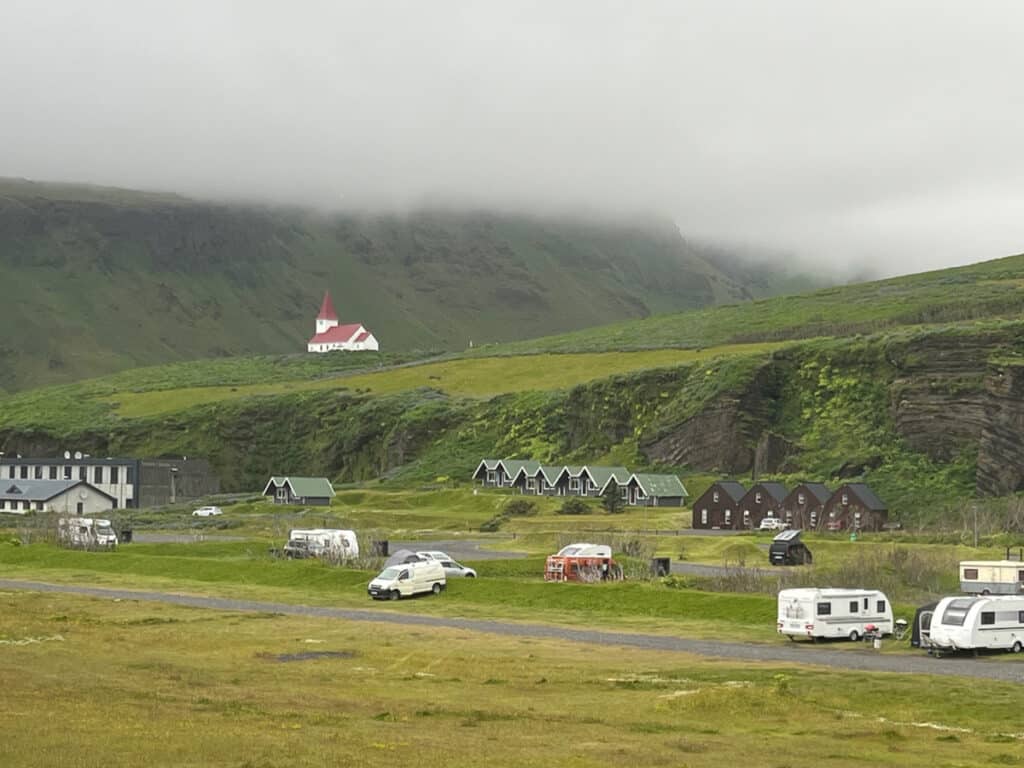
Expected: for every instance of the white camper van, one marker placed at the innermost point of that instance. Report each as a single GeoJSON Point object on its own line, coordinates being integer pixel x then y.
{"type": "Point", "coordinates": [992, 577]}
{"type": "Point", "coordinates": [970, 623]}
{"type": "Point", "coordinates": [408, 579]}
{"type": "Point", "coordinates": [329, 543]}
{"type": "Point", "coordinates": [833, 613]}
{"type": "Point", "coordinates": [86, 533]}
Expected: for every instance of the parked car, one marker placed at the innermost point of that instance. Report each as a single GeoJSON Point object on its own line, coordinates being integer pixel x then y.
{"type": "Point", "coordinates": [773, 524]}
{"type": "Point", "coordinates": [451, 567]}
{"type": "Point", "coordinates": [407, 580]}
{"type": "Point", "coordinates": [207, 512]}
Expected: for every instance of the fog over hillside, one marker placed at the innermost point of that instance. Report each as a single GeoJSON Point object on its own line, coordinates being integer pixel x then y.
{"type": "Point", "coordinates": [861, 136]}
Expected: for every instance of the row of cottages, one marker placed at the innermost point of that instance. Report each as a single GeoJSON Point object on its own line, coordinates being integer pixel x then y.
{"type": "Point", "coordinates": [535, 479]}
{"type": "Point", "coordinates": [810, 506]}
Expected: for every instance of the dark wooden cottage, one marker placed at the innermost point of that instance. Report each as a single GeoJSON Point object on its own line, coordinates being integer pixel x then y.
{"type": "Point", "coordinates": [648, 490]}
{"type": "Point", "coordinates": [316, 491]}
{"type": "Point", "coordinates": [761, 501]}
{"type": "Point", "coordinates": [803, 506]}
{"type": "Point", "coordinates": [854, 507]}
{"type": "Point", "coordinates": [717, 506]}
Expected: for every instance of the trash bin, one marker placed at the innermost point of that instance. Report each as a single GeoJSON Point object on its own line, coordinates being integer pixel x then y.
{"type": "Point", "coordinates": [661, 566]}
{"type": "Point", "coordinates": [380, 548]}
{"type": "Point", "coordinates": [126, 536]}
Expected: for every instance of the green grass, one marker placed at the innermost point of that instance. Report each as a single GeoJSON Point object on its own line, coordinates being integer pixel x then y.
{"type": "Point", "coordinates": [129, 683]}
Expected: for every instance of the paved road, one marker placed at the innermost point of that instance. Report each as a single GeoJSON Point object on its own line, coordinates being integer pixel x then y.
{"type": "Point", "coordinates": [790, 653]}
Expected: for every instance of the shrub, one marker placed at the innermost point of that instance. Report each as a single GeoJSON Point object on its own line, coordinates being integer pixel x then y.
{"type": "Point", "coordinates": [575, 507]}
{"type": "Point", "coordinates": [492, 525]}
{"type": "Point", "coordinates": [519, 508]}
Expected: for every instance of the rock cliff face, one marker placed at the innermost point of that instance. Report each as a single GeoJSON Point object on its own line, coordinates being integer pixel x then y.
{"type": "Point", "coordinates": [1001, 447]}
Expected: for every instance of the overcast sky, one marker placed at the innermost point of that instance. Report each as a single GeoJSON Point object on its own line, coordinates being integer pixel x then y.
{"type": "Point", "coordinates": [882, 135]}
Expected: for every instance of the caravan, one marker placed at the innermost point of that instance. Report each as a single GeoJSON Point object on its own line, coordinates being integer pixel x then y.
{"type": "Point", "coordinates": [972, 623]}
{"type": "Point", "coordinates": [328, 543]}
{"type": "Point", "coordinates": [992, 577]}
{"type": "Point", "coordinates": [851, 613]}
{"type": "Point", "coordinates": [86, 533]}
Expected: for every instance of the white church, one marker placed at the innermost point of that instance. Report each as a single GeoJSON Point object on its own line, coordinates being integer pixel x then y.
{"type": "Point", "coordinates": [352, 337]}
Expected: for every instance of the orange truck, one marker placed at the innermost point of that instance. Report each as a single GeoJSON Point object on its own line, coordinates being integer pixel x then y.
{"type": "Point", "coordinates": [582, 562]}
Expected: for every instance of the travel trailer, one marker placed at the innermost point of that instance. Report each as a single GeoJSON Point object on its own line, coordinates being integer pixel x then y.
{"type": "Point", "coordinates": [582, 562]}
{"type": "Point", "coordinates": [328, 543]}
{"type": "Point", "coordinates": [86, 533]}
{"type": "Point", "coordinates": [972, 623]}
{"type": "Point", "coordinates": [407, 579]}
{"type": "Point", "coordinates": [992, 577]}
{"type": "Point", "coordinates": [830, 612]}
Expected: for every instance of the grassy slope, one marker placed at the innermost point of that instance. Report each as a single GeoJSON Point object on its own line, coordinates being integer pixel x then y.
{"type": "Point", "coordinates": [111, 279]}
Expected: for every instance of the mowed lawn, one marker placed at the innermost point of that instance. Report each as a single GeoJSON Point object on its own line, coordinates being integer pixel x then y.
{"type": "Point", "coordinates": [475, 377]}
{"type": "Point", "coordinates": [92, 682]}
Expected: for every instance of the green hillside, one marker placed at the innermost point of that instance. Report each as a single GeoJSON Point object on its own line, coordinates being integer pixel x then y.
{"type": "Point", "coordinates": [109, 279]}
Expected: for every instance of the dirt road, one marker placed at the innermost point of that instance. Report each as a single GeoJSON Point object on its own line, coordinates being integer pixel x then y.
{"type": "Point", "coordinates": [782, 652]}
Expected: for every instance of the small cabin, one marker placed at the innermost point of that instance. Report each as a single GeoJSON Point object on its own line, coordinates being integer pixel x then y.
{"type": "Point", "coordinates": [314, 491]}
{"type": "Point", "coordinates": [761, 501]}
{"type": "Point", "coordinates": [802, 507]}
{"type": "Point", "coordinates": [717, 507]}
{"type": "Point", "coordinates": [854, 507]}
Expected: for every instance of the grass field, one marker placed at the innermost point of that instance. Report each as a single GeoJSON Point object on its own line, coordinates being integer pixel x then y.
{"type": "Point", "coordinates": [91, 682]}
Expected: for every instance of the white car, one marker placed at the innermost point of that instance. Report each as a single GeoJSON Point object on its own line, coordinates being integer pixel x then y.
{"type": "Point", "coordinates": [773, 524]}
{"type": "Point", "coordinates": [451, 567]}
{"type": "Point", "coordinates": [207, 512]}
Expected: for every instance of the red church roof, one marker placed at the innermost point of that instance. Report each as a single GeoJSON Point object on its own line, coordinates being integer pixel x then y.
{"type": "Point", "coordinates": [337, 333]}
{"type": "Point", "coordinates": [362, 336]}
{"type": "Point", "coordinates": [327, 309]}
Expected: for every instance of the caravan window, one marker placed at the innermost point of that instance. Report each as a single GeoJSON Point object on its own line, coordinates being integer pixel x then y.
{"type": "Point", "coordinates": [853, 606]}
{"type": "Point", "coordinates": [970, 574]}
{"type": "Point", "coordinates": [1020, 576]}
{"type": "Point", "coordinates": [824, 609]}
{"type": "Point", "coordinates": [956, 612]}
{"type": "Point", "coordinates": [1020, 617]}
{"type": "Point", "coordinates": [880, 606]}
{"type": "Point", "coordinates": [865, 603]}
{"type": "Point", "coordinates": [988, 617]}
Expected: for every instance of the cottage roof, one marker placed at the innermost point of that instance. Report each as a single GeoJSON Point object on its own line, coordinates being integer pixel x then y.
{"type": "Point", "coordinates": [866, 495]}
{"type": "Point", "coordinates": [337, 334]}
{"type": "Point", "coordinates": [659, 485]}
{"type": "Point", "coordinates": [512, 466]}
{"type": "Point", "coordinates": [41, 490]}
{"type": "Point", "coordinates": [327, 308]}
{"type": "Point", "coordinates": [604, 475]}
{"type": "Point", "coordinates": [730, 488]}
{"type": "Point", "coordinates": [308, 487]}
{"type": "Point", "coordinates": [817, 490]}
{"type": "Point", "coordinates": [776, 490]}
{"type": "Point", "coordinates": [486, 464]}
{"type": "Point", "coordinates": [527, 468]}
{"type": "Point", "coordinates": [550, 472]}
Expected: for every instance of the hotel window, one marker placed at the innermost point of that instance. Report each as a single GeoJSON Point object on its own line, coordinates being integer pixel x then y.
{"type": "Point", "coordinates": [129, 475]}
{"type": "Point", "coordinates": [67, 472]}
{"type": "Point", "coordinates": [97, 476]}
{"type": "Point", "coordinates": [81, 473]}
{"type": "Point", "coordinates": [10, 471]}
{"type": "Point", "coordinates": [38, 472]}
{"type": "Point", "coordinates": [113, 475]}
{"type": "Point", "coordinates": [24, 472]}
{"type": "Point", "coordinates": [53, 473]}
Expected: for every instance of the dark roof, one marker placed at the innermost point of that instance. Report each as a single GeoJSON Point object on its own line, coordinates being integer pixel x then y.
{"type": "Point", "coordinates": [776, 490]}
{"type": "Point", "coordinates": [732, 489]}
{"type": "Point", "coordinates": [42, 490]}
{"type": "Point", "coordinates": [867, 496]}
{"type": "Point", "coordinates": [90, 461]}
{"type": "Point", "coordinates": [818, 490]}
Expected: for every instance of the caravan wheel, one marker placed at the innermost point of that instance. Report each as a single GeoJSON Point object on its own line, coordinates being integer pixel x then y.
{"type": "Point", "coordinates": [854, 635]}
{"type": "Point", "coordinates": [1017, 647]}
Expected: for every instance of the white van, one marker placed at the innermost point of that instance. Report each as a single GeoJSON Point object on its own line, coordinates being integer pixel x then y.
{"type": "Point", "coordinates": [328, 543]}
{"type": "Point", "coordinates": [833, 613]}
{"type": "Point", "coordinates": [86, 533]}
{"type": "Point", "coordinates": [970, 623]}
{"type": "Point", "coordinates": [992, 577]}
{"type": "Point", "coordinates": [407, 579]}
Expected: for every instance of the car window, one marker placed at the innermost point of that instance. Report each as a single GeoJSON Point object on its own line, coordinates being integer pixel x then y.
{"type": "Point", "coordinates": [448, 564]}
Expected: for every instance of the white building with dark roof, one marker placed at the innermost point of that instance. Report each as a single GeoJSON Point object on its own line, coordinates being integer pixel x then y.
{"type": "Point", "coordinates": [65, 496]}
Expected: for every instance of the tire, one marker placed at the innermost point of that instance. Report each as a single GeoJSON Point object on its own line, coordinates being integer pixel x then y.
{"type": "Point", "coordinates": [1017, 647]}
{"type": "Point", "coordinates": [436, 589]}
{"type": "Point", "coordinates": [854, 635]}
{"type": "Point", "coordinates": [985, 592]}
{"type": "Point", "coordinates": [394, 594]}
{"type": "Point", "coordinates": [470, 576]}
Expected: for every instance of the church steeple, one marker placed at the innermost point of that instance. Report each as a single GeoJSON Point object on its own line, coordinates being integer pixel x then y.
{"type": "Point", "coordinates": [327, 318]}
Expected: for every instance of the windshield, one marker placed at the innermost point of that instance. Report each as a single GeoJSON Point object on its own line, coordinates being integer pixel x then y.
{"type": "Point", "coordinates": [389, 573]}
{"type": "Point", "coordinates": [105, 531]}
{"type": "Point", "coordinates": [956, 612]}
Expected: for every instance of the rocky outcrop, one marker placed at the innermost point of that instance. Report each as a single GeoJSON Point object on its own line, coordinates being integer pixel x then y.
{"type": "Point", "coordinates": [1000, 467]}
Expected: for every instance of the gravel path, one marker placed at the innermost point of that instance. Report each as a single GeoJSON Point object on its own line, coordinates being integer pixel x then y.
{"type": "Point", "coordinates": [791, 653]}
{"type": "Point", "coordinates": [460, 549]}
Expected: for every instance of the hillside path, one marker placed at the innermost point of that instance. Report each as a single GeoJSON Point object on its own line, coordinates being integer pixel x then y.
{"type": "Point", "coordinates": [789, 653]}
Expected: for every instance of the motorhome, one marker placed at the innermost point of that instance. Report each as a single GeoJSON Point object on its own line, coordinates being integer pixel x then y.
{"type": "Point", "coordinates": [582, 562]}
{"type": "Point", "coordinates": [972, 623]}
{"type": "Point", "coordinates": [992, 577]}
{"type": "Point", "coordinates": [328, 543]}
{"type": "Point", "coordinates": [86, 533]}
{"type": "Point", "coordinates": [815, 613]}
{"type": "Point", "coordinates": [408, 579]}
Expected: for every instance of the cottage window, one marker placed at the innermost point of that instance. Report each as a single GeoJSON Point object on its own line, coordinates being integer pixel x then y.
{"type": "Point", "coordinates": [846, 499]}
{"type": "Point", "coordinates": [853, 606]}
{"type": "Point", "coordinates": [3, 504]}
{"type": "Point", "coordinates": [970, 574]}
{"type": "Point", "coordinates": [625, 493]}
{"type": "Point", "coordinates": [757, 498]}
{"type": "Point", "coordinates": [988, 617]}
{"type": "Point", "coordinates": [39, 506]}
{"type": "Point", "coordinates": [789, 516]}
{"type": "Point", "coordinates": [704, 516]}
{"type": "Point", "coordinates": [746, 517]}
{"type": "Point", "coordinates": [880, 606]}
{"type": "Point", "coordinates": [714, 496]}
{"type": "Point", "coordinates": [800, 498]}
{"type": "Point", "coordinates": [814, 518]}
{"type": "Point", "coordinates": [574, 484]}
{"type": "Point", "coordinates": [531, 483]}
{"type": "Point", "coordinates": [491, 477]}
{"type": "Point", "coordinates": [856, 519]}
{"type": "Point", "coordinates": [728, 517]}
{"type": "Point", "coordinates": [824, 609]}
{"type": "Point", "coordinates": [26, 505]}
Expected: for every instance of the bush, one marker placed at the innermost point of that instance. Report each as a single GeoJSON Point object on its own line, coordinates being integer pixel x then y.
{"type": "Point", "coordinates": [575, 507]}
{"type": "Point", "coordinates": [519, 508]}
{"type": "Point", "coordinates": [492, 525]}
